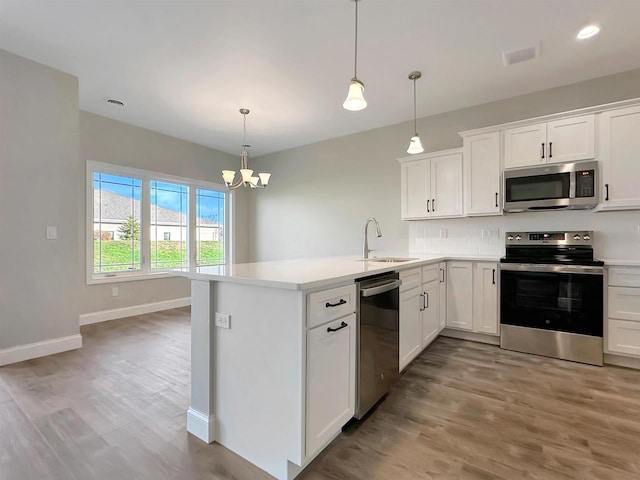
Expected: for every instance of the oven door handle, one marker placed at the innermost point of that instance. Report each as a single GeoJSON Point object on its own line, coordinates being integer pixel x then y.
{"type": "Point", "coordinates": [533, 267]}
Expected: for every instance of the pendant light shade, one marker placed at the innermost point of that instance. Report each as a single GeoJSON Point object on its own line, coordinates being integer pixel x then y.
{"type": "Point", "coordinates": [415, 145]}
{"type": "Point", "coordinates": [355, 97]}
{"type": "Point", "coordinates": [246, 177]}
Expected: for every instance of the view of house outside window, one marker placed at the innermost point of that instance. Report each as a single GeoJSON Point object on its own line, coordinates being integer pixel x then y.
{"type": "Point", "coordinates": [142, 223]}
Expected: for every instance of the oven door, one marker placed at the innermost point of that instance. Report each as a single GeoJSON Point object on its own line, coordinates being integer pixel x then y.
{"type": "Point", "coordinates": [552, 297]}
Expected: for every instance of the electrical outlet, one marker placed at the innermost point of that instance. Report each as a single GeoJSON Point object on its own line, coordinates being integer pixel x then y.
{"type": "Point", "coordinates": [52, 233]}
{"type": "Point", "coordinates": [223, 320]}
{"type": "Point", "coordinates": [115, 291]}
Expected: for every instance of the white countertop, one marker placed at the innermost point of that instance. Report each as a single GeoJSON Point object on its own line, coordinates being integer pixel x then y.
{"type": "Point", "coordinates": [309, 273]}
{"type": "Point", "coordinates": [621, 262]}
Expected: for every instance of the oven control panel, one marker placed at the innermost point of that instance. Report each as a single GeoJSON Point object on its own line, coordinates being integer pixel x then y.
{"type": "Point", "coordinates": [549, 238]}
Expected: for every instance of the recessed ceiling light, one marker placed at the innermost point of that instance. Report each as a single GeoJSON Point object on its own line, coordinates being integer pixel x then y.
{"type": "Point", "coordinates": [588, 32]}
{"type": "Point", "coordinates": [115, 102]}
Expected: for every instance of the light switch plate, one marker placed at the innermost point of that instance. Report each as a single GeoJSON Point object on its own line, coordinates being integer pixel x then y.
{"type": "Point", "coordinates": [52, 233]}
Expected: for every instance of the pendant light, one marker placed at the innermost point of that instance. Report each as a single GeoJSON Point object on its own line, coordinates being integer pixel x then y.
{"type": "Point", "coordinates": [415, 145]}
{"type": "Point", "coordinates": [246, 178]}
{"type": "Point", "coordinates": [355, 97]}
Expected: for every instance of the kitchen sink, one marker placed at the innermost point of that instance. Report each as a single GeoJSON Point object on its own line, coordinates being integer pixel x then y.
{"type": "Point", "coordinates": [388, 259]}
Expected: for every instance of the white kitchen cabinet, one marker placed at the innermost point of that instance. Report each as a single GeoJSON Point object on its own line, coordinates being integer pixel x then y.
{"type": "Point", "coordinates": [481, 174]}
{"type": "Point", "coordinates": [331, 380]}
{"type": "Point", "coordinates": [619, 147]}
{"type": "Point", "coordinates": [623, 322]}
{"type": "Point", "coordinates": [460, 295]}
{"type": "Point", "coordinates": [485, 297]}
{"type": "Point", "coordinates": [410, 325]}
{"type": "Point", "coordinates": [431, 185]}
{"type": "Point", "coordinates": [565, 140]}
{"type": "Point", "coordinates": [430, 313]}
{"type": "Point", "coordinates": [442, 294]}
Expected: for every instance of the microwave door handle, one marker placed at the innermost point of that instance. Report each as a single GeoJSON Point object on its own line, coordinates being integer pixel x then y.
{"type": "Point", "coordinates": [572, 184]}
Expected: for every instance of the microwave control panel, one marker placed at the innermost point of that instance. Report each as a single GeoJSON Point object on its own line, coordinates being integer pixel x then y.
{"type": "Point", "coordinates": [585, 183]}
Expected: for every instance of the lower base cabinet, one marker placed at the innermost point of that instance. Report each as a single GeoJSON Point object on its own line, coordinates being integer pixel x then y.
{"type": "Point", "coordinates": [472, 297]}
{"type": "Point", "coordinates": [410, 325]}
{"type": "Point", "coordinates": [430, 313]}
{"type": "Point", "coordinates": [331, 380]}
{"type": "Point", "coordinates": [623, 328]}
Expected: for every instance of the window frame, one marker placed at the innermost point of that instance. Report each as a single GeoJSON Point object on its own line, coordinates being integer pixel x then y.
{"type": "Point", "coordinates": [146, 272]}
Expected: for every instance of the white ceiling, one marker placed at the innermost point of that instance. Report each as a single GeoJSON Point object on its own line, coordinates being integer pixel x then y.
{"type": "Point", "coordinates": [184, 68]}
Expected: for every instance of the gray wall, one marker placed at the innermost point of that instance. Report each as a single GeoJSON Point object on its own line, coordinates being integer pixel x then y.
{"type": "Point", "coordinates": [110, 141]}
{"type": "Point", "coordinates": [40, 185]}
{"type": "Point", "coordinates": [321, 194]}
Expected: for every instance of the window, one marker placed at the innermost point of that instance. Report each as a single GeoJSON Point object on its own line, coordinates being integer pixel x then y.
{"type": "Point", "coordinates": [142, 224]}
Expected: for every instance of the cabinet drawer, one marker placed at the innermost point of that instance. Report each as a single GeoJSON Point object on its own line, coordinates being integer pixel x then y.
{"type": "Point", "coordinates": [429, 273]}
{"type": "Point", "coordinates": [330, 304]}
{"type": "Point", "coordinates": [410, 279]}
{"type": "Point", "coordinates": [624, 337]}
{"type": "Point", "coordinates": [624, 303]}
{"type": "Point", "coordinates": [624, 276]}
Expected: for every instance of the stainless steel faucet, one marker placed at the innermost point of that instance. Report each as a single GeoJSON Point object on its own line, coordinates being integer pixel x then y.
{"type": "Point", "coordinates": [365, 243]}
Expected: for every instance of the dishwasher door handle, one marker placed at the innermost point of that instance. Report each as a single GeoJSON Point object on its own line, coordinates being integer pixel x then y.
{"type": "Point", "coordinates": [385, 287]}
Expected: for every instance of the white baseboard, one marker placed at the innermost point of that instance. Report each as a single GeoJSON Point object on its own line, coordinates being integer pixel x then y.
{"type": "Point", "coordinates": [621, 361]}
{"type": "Point", "coordinates": [471, 336]}
{"type": "Point", "coordinates": [105, 315]}
{"type": "Point", "coordinates": [200, 425]}
{"type": "Point", "coordinates": [39, 349]}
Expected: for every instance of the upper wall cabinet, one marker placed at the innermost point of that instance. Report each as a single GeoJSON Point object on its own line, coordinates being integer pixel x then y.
{"type": "Point", "coordinates": [565, 140]}
{"type": "Point", "coordinates": [431, 185]}
{"type": "Point", "coordinates": [619, 154]}
{"type": "Point", "coordinates": [481, 162]}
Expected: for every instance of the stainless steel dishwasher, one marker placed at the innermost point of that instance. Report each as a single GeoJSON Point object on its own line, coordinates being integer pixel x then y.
{"type": "Point", "coordinates": [377, 343]}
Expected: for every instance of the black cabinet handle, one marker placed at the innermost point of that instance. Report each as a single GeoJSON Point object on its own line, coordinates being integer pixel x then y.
{"type": "Point", "coordinates": [550, 149]}
{"type": "Point", "coordinates": [433, 204]}
{"type": "Point", "coordinates": [606, 187]}
{"type": "Point", "coordinates": [426, 300]}
{"type": "Point", "coordinates": [422, 307]}
{"type": "Point", "coordinates": [342, 325]}
{"type": "Point", "coordinates": [341, 302]}
{"type": "Point", "coordinates": [428, 206]}
{"type": "Point", "coordinates": [493, 276]}
{"type": "Point", "coordinates": [496, 199]}
{"type": "Point", "coordinates": [442, 272]}
{"type": "Point", "coordinates": [542, 151]}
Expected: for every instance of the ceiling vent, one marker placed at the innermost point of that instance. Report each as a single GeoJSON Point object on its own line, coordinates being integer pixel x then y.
{"type": "Point", "coordinates": [519, 56]}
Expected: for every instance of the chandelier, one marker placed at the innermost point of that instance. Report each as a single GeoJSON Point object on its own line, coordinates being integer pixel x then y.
{"type": "Point", "coordinates": [246, 178]}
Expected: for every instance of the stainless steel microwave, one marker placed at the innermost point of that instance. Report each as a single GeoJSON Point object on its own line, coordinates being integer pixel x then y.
{"type": "Point", "coordinates": [568, 186]}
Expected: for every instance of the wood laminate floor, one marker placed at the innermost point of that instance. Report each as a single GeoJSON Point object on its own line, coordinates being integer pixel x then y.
{"type": "Point", "coordinates": [116, 410]}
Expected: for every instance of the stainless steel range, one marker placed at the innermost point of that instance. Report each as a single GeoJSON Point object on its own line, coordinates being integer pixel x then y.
{"type": "Point", "coordinates": [551, 296]}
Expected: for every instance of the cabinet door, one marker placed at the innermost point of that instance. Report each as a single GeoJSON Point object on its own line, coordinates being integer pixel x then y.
{"type": "Point", "coordinates": [442, 295]}
{"type": "Point", "coordinates": [430, 313]}
{"type": "Point", "coordinates": [485, 290]}
{"type": "Point", "coordinates": [410, 325]}
{"type": "Point", "coordinates": [525, 146]}
{"type": "Point", "coordinates": [623, 337]}
{"type": "Point", "coordinates": [446, 186]}
{"type": "Point", "coordinates": [619, 144]}
{"type": "Point", "coordinates": [624, 303]}
{"type": "Point", "coordinates": [571, 139]}
{"type": "Point", "coordinates": [460, 295]}
{"type": "Point", "coordinates": [481, 161]}
{"type": "Point", "coordinates": [331, 372]}
{"type": "Point", "coordinates": [414, 188]}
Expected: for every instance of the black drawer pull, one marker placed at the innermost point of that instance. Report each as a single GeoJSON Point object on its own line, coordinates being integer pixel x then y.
{"type": "Point", "coordinates": [606, 186]}
{"type": "Point", "coordinates": [493, 276]}
{"type": "Point", "coordinates": [550, 151]}
{"type": "Point", "coordinates": [542, 151]}
{"type": "Point", "coordinates": [496, 199]}
{"type": "Point", "coordinates": [341, 302]}
{"type": "Point", "coordinates": [342, 325]}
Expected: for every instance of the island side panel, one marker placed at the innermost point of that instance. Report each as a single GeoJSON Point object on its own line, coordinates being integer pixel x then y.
{"type": "Point", "coordinates": [258, 374]}
{"type": "Point", "coordinates": [200, 419]}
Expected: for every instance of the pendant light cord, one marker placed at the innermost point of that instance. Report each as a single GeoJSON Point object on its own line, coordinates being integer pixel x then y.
{"type": "Point", "coordinates": [355, 65]}
{"type": "Point", "coordinates": [415, 114]}
{"type": "Point", "coordinates": [244, 129]}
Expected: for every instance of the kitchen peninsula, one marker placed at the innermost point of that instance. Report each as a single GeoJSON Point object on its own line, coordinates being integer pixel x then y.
{"type": "Point", "coordinates": [272, 362]}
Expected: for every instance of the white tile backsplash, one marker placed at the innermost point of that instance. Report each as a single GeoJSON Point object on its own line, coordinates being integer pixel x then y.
{"type": "Point", "coordinates": [616, 234]}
